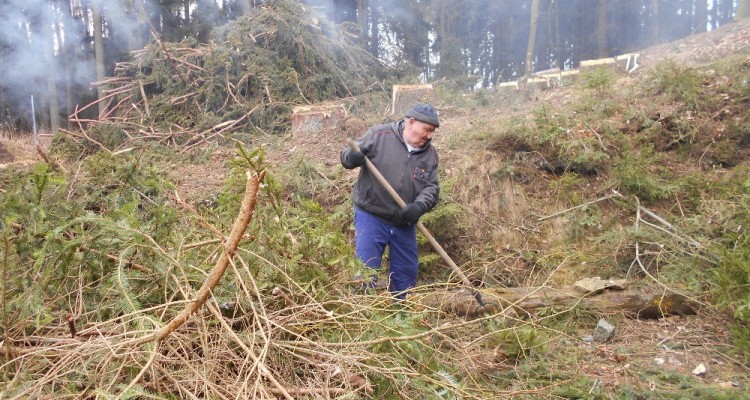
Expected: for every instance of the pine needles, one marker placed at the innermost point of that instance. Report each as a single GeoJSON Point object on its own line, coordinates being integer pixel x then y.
{"type": "Point", "coordinates": [244, 83]}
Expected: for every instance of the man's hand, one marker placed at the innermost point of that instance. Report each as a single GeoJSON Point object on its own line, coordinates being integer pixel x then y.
{"type": "Point", "coordinates": [411, 213]}
{"type": "Point", "coordinates": [356, 158]}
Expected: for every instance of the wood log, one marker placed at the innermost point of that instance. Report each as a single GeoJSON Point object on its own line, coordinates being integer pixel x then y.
{"type": "Point", "coordinates": [638, 302]}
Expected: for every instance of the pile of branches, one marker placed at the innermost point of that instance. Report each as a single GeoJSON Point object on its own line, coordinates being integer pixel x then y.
{"type": "Point", "coordinates": [113, 287]}
{"type": "Point", "coordinates": [246, 80]}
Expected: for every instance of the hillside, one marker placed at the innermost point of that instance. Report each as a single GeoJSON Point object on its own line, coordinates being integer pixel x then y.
{"type": "Point", "coordinates": [640, 176]}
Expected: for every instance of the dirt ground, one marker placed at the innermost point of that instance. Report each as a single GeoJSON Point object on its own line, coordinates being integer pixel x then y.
{"type": "Point", "coordinates": [5, 156]}
{"type": "Point", "coordinates": [17, 152]}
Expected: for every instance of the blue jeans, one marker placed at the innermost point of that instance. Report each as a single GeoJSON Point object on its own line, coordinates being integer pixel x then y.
{"type": "Point", "coordinates": [371, 237]}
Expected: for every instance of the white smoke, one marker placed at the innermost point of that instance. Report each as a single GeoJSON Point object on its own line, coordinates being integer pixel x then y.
{"type": "Point", "coordinates": [34, 33]}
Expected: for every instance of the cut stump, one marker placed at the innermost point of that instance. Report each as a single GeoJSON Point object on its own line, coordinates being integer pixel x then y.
{"type": "Point", "coordinates": [316, 119]}
{"type": "Point", "coordinates": [406, 96]}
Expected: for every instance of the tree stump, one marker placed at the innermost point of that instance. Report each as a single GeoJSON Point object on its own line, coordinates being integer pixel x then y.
{"type": "Point", "coordinates": [536, 85]}
{"type": "Point", "coordinates": [569, 77]}
{"type": "Point", "coordinates": [627, 62]}
{"type": "Point", "coordinates": [588, 65]}
{"type": "Point", "coordinates": [316, 119]}
{"type": "Point", "coordinates": [406, 96]}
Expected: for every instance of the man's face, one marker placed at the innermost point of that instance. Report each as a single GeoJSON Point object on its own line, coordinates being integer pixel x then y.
{"type": "Point", "coordinates": [418, 133]}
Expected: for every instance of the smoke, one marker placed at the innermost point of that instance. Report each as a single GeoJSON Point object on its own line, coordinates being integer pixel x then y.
{"type": "Point", "coordinates": [40, 40]}
{"type": "Point", "coordinates": [22, 50]}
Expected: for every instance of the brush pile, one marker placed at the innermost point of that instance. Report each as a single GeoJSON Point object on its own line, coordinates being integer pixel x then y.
{"type": "Point", "coordinates": [245, 81]}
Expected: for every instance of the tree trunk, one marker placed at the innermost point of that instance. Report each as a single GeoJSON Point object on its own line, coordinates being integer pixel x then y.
{"type": "Point", "coordinates": [700, 16]}
{"type": "Point", "coordinates": [362, 21]}
{"type": "Point", "coordinates": [532, 37]}
{"type": "Point", "coordinates": [555, 8]}
{"type": "Point", "coordinates": [743, 9]}
{"type": "Point", "coordinates": [186, 10]}
{"type": "Point", "coordinates": [642, 302]}
{"type": "Point", "coordinates": [49, 56]}
{"type": "Point", "coordinates": [374, 31]}
{"type": "Point", "coordinates": [602, 29]}
{"type": "Point", "coordinates": [655, 22]}
{"type": "Point", "coordinates": [245, 6]}
{"type": "Point", "coordinates": [99, 55]}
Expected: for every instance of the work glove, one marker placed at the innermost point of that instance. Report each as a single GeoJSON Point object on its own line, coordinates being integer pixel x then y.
{"type": "Point", "coordinates": [411, 213]}
{"type": "Point", "coordinates": [357, 158]}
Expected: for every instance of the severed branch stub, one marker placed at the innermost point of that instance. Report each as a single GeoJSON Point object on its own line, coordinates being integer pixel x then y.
{"type": "Point", "coordinates": [238, 231]}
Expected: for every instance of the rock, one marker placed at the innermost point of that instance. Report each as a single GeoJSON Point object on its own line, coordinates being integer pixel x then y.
{"type": "Point", "coordinates": [587, 339]}
{"type": "Point", "coordinates": [597, 285]}
{"type": "Point", "coordinates": [603, 331]}
{"type": "Point", "coordinates": [700, 370]}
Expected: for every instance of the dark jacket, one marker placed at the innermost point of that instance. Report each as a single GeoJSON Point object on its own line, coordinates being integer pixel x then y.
{"type": "Point", "coordinates": [414, 176]}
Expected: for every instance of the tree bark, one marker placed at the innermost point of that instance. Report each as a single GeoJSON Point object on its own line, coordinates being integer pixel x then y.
{"type": "Point", "coordinates": [49, 56]}
{"type": "Point", "coordinates": [743, 9]}
{"type": "Point", "coordinates": [643, 302]}
{"type": "Point", "coordinates": [555, 10]}
{"type": "Point", "coordinates": [362, 21]}
{"type": "Point", "coordinates": [655, 29]}
{"type": "Point", "coordinates": [99, 54]}
{"type": "Point", "coordinates": [374, 31]}
{"type": "Point", "coordinates": [532, 37]}
{"type": "Point", "coordinates": [700, 16]}
{"type": "Point", "coordinates": [602, 28]}
{"type": "Point", "coordinates": [245, 6]}
{"type": "Point", "coordinates": [245, 214]}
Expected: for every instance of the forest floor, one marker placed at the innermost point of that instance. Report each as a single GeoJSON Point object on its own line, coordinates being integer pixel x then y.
{"type": "Point", "coordinates": [668, 349]}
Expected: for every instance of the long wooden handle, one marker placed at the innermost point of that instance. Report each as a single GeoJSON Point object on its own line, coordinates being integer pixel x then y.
{"type": "Point", "coordinates": [374, 171]}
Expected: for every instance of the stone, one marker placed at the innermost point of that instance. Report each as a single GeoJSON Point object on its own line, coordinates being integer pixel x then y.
{"type": "Point", "coordinates": [597, 285]}
{"type": "Point", "coordinates": [603, 331]}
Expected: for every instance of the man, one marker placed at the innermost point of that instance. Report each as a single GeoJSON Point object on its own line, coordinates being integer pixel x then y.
{"type": "Point", "coordinates": [403, 153]}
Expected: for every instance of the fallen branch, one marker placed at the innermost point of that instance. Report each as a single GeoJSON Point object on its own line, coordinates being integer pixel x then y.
{"type": "Point", "coordinates": [607, 197]}
{"type": "Point", "coordinates": [238, 231]}
{"type": "Point", "coordinates": [45, 157]}
{"type": "Point", "coordinates": [643, 302]}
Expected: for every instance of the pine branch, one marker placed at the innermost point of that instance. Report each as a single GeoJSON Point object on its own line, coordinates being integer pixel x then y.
{"type": "Point", "coordinates": [238, 231]}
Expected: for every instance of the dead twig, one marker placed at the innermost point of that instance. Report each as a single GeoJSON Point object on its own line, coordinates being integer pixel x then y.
{"type": "Point", "coordinates": [55, 165]}
{"type": "Point", "coordinates": [607, 197]}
